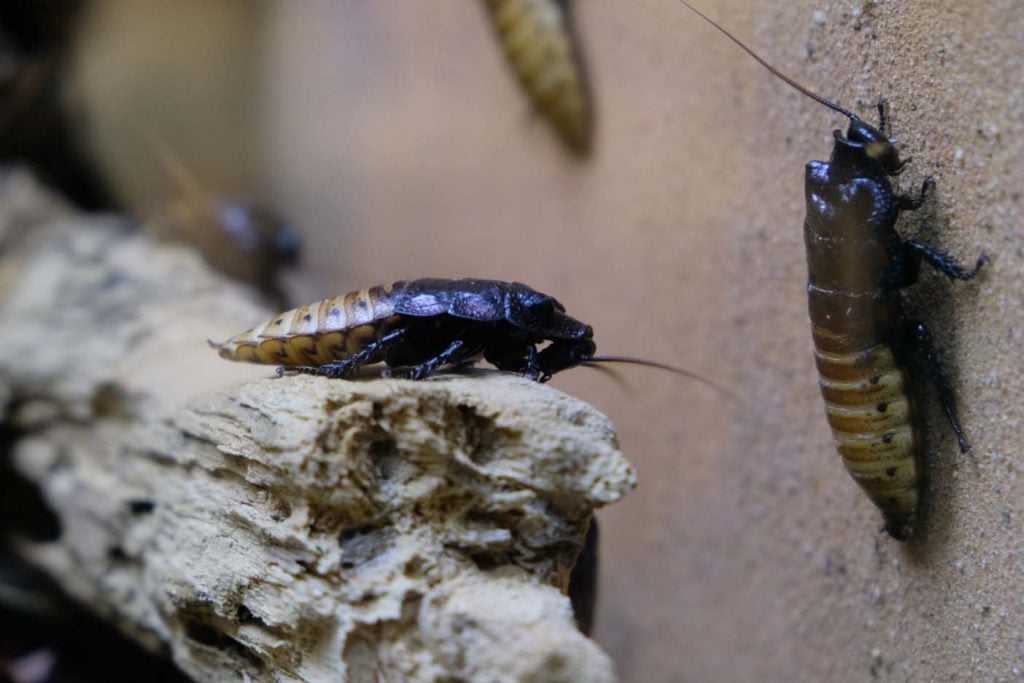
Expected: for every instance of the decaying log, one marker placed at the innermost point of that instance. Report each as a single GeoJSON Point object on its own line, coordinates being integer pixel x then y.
{"type": "Point", "coordinates": [292, 528]}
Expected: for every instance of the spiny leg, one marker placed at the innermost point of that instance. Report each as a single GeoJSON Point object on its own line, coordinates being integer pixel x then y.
{"type": "Point", "coordinates": [453, 353]}
{"type": "Point", "coordinates": [947, 398]}
{"type": "Point", "coordinates": [883, 114]}
{"type": "Point", "coordinates": [908, 203]}
{"type": "Point", "coordinates": [943, 262]}
{"type": "Point", "coordinates": [531, 369]}
{"type": "Point", "coordinates": [467, 360]}
{"type": "Point", "coordinates": [346, 366]}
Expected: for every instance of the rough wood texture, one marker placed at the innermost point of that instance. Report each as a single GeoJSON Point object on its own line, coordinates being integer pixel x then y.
{"type": "Point", "coordinates": [296, 527]}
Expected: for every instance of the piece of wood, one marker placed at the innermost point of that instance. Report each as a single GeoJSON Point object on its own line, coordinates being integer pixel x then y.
{"type": "Point", "coordinates": [293, 528]}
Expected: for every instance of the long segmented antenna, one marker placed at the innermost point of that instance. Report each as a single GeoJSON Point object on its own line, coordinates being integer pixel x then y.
{"type": "Point", "coordinates": [172, 163]}
{"type": "Point", "coordinates": [616, 377]}
{"type": "Point", "coordinates": [775, 72]}
{"type": "Point", "coordinates": [593, 360]}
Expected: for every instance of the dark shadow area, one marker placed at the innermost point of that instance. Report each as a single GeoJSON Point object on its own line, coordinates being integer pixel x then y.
{"type": "Point", "coordinates": [35, 128]}
{"type": "Point", "coordinates": [40, 628]}
{"type": "Point", "coordinates": [583, 581]}
{"type": "Point", "coordinates": [931, 301]}
{"type": "Point", "coordinates": [23, 511]}
{"type": "Point", "coordinates": [68, 643]}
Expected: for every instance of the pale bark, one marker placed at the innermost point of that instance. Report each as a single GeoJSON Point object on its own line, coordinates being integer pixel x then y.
{"type": "Point", "coordinates": [293, 528]}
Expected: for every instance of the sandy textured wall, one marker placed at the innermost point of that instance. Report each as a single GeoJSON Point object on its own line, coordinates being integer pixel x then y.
{"type": "Point", "coordinates": [746, 553]}
{"type": "Point", "coordinates": [397, 140]}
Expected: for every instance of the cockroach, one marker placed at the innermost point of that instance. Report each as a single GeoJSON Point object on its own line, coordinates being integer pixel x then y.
{"type": "Point", "coordinates": [858, 266]}
{"type": "Point", "coordinates": [540, 44]}
{"type": "Point", "coordinates": [245, 241]}
{"type": "Point", "coordinates": [421, 326]}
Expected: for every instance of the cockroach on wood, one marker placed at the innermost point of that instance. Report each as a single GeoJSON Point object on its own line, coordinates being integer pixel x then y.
{"type": "Point", "coordinates": [858, 266]}
{"type": "Point", "coordinates": [538, 40]}
{"type": "Point", "coordinates": [422, 326]}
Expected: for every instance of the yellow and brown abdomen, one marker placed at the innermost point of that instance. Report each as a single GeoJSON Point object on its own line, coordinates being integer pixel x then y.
{"type": "Point", "coordinates": [870, 413]}
{"type": "Point", "coordinates": [539, 44]}
{"type": "Point", "coordinates": [318, 334]}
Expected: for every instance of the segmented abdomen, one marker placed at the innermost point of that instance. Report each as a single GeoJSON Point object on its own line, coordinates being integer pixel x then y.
{"type": "Point", "coordinates": [538, 42]}
{"type": "Point", "coordinates": [332, 329]}
{"type": "Point", "coordinates": [869, 411]}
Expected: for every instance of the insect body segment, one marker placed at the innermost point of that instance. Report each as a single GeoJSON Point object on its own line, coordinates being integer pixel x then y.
{"type": "Point", "coordinates": [539, 44]}
{"type": "Point", "coordinates": [319, 333]}
{"type": "Point", "coordinates": [870, 416]}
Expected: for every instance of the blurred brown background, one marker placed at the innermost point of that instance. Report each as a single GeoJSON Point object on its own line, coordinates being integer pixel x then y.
{"type": "Point", "coordinates": [394, 137]}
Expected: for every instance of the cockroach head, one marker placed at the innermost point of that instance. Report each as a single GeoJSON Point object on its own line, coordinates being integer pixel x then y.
{"type": "Point", "coordinates": [875, 146]}
{"type": "Point", "coordinates": [531, 310]}
{"type": "Point", "coordinates": [581, 350]}
{"type": "Point", "coordinates": [566, 353]}
{"type": "Point", "coordinates": [255, 228]}
{"type": "Point", "coordinates": [572, 352]}
{"type": "Point", "coordinates": [539, 304]}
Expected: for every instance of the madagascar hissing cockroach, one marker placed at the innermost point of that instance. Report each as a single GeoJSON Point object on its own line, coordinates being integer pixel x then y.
{"type": "Point", "coordinates": [539, 42]}
{"type": "Point", "coordinates": [422, 326]}
{"type": "Point", "coordinates": [858, 266]}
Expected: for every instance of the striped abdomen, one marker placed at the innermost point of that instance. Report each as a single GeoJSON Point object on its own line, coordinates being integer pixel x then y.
{"type": "Point", "coordinates": [539, 44]}
{"type": "Point", "coordinates": [867, 405]}
{"type": "Point", "coordinates": [317, 334]}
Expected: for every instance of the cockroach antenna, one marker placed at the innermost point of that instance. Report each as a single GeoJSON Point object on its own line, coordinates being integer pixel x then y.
{"type": "Point", "coordinates": [180, 173]}
{"type": "Point", "coordinates": [612, 374]}
{"type": "Point", "coordinates": [775, 72]}
{"type": "Point", "coordinates": [594, 360]}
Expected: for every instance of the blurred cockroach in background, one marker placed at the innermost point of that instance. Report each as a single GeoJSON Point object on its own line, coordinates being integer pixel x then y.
{"type": "Point", "coordinates": [243, 240]}
{"type": "Point", "coordinates": [542, 48]}
{"type": "Point", "coordinates": [858, 266]}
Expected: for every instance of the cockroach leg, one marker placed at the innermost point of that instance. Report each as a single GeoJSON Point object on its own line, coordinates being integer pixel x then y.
{"type": "Point", "coordinates": [345, 367]}
{"type": "Point", "coordinates": [333, 370]}
{"type": "Point", "coordinates": [883, 114]}
{"type": "Point", "coordinates": [531, 370]}
{"type": "Point", "coordinates": [455, 351]}
{"type": "Point", "coordinates": [908, 203]}
{"type": "Point", "coordinates": [943, 262]}
{"type": "Point", "coordinates": [922, 340]}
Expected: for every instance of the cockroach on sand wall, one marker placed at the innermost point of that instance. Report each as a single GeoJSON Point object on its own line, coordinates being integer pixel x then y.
{"type": "Point", "coordinates": [422, 326]}
{"type": "Point", "coordinates": [540, 45]}
{"type": "Point", "coordinates": [858, 266]}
